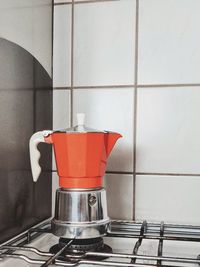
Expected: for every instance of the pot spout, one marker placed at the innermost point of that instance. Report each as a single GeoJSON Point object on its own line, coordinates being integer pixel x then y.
{"type": "Point", "coordinates": [111, 140]}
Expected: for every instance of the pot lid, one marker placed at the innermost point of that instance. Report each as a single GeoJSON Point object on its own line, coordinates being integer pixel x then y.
{"type": "Point", "coordinates": [80, 127]}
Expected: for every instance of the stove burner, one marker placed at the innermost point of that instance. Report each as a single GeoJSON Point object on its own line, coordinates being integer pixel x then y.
{"type": "Point", "coordinates": [79, 247]}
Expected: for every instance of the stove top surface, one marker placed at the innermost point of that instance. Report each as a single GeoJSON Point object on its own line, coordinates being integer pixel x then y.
{"type": "Point", "coordinates": [133, 244]}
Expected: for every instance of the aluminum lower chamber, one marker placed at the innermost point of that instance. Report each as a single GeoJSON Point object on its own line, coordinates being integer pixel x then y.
{"type": "Point", "coordinates": [80, 213]}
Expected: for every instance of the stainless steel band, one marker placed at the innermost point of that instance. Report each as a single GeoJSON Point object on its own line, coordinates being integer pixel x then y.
{"type": "Point", "coordinates": [80, 231]}
{"type": "Point", "coordinates": [80, 213]}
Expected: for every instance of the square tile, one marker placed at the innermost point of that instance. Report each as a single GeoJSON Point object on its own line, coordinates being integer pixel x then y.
{"type": "Point", "coordinates": [61, 109]}
{"type": "Point", "coordinates": [62, 46]}
{"type": "Point", "coordinates": [119, 190]}
{"type": "Point", "coordinates": [41, 32]}
{"type": "Point", "coordinates": [104, 43]}
{"type": "Point", "coordinates": [169, 49]}
{"type": "Point", "coordinates": [168, 198]}
{"type": "Point", "coordinates": [168, 130]}
{"type": "Point", "coordinates": [61, 113]}
{"type": "Point", "coordinates": [110, 109]}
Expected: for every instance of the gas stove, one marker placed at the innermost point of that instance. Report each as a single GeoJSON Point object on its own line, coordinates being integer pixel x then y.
{"type": "Point", "coordinates": [127, 243]}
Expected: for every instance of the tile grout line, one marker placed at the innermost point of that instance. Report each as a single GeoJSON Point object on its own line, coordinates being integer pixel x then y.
{"type": "Point", "coordinates": [104, 86]}
{"type": "Point", "coordinates": [94, 1]}
{"type": "Point", "coordinates": [169, 85]}
{"type": "Point", "coordinates": [84, 2]}
{"type": "Point", "coordinates": [62, 4]}
{"type": "Point", "coordinates": [119, 172]}
{"type": "Point", "coordinates": [135, 104]}
{"type": "Point", "coordinates": [168, 174]}
{"type": "Point", "coordinates": [52, 42]}
{"type": "Point", "coordinates": [94, 87]}
{"type": "Point", "coordinates": [62, 88]}
{"type": "Point", "coordinates": [151, 173]}
{"type": "Point", "coordinates": [121, 86]}
{"type": "Point", "coordinates": [72, 65]}
{"type": "Point", "coordinates": [52, 114]}
{"type": "Point", "coordinates": [155, 173]}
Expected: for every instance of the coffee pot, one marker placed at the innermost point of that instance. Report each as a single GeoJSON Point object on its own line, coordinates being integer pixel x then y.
{"type": "Point", "coordinates": [81, 155]}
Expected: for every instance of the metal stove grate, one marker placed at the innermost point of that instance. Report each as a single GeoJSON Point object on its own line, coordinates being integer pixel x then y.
{"type": "Point", "coordinates": [138, 231]}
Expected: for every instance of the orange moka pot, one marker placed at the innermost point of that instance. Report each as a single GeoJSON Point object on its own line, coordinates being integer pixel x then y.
{"type": "Point", "coordinates": [81, 154]}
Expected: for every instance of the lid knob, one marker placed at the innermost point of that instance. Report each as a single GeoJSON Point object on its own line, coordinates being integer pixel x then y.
{"type": "Point", "coordinates": [80, 121]}
{"type": "Point", "coordinates": [80, 118]}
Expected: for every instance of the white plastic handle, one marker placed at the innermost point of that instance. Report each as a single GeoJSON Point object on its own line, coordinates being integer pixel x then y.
{"type": "Point", "coordinates": [35, 139]}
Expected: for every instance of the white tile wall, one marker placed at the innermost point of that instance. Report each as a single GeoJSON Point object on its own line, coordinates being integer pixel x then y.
{"type": "Point", "coordinates": [169, 47]}
{"type": "Point", "coordinates": [110, 109]}
{"type": "Point", "coordinates": [104, 43]}
{"type": "Point", "coordinates": [168, 130]}
{"type": "Point", "coordinates": [168, 198]}
{"type": "Point", "coordinates": [62, 46]}
{"type": "Point", "coordinates": [119, 190]}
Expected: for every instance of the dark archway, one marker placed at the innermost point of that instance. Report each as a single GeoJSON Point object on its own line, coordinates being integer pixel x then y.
{"type": "Point", "coordinates": [25, 107]}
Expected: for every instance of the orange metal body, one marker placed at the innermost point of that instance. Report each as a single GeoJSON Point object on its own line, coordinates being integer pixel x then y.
{"type": "Point", "coordinates": [81, 157]}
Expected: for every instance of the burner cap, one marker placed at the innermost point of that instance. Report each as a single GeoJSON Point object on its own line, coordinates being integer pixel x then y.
{"type": "Point", "coordinates": [79, 247]}
{"type": "Point", "coordinates": [83, 244]}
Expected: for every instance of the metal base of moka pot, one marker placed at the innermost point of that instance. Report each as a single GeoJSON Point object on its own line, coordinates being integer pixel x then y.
{"type": "Point", "coordinates": [80, 214]}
